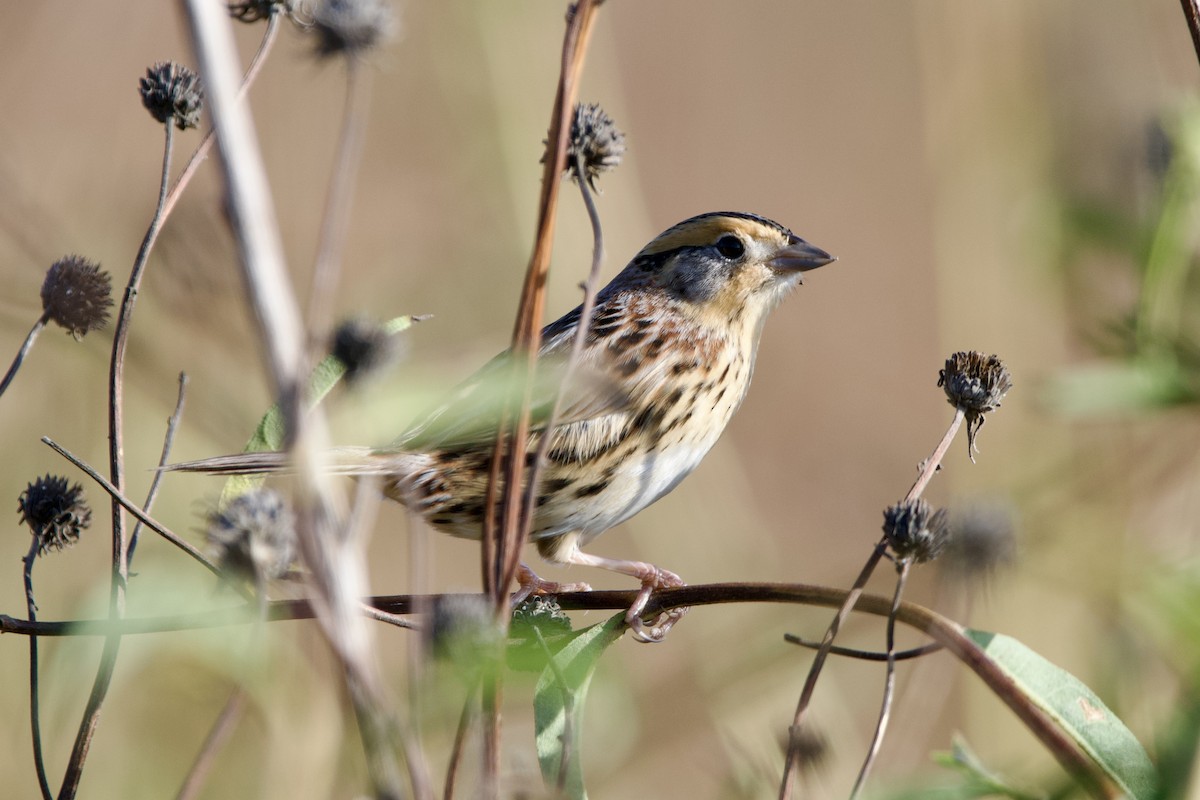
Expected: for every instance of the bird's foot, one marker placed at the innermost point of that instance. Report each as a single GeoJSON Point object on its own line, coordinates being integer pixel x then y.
{"type": "Point", "coordinates": [655, 630]}
{"type": "Point", "coordinates": [529, 584]}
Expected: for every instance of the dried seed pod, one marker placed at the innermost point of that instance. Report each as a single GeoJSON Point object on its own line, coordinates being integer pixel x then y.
{"type": "Point", "coordinates": [55, 511]}
{"type": "Point", "coordinates": [77, 295]}
{"type": "Point", "coordinates": [975, 383]}
{"type": "Point", "coordinates": [914, 530]}
{"type": "Point", "coordinates": [172, 91]}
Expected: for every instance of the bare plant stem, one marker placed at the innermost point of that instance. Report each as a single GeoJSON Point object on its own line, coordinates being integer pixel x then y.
{"type": "Point", "coordinates": [865, 655]}
{"type": "Point", "coordinates": [336, 217]}
{"type": "Point", "coordinates": [794, 753]}
{"type": "Point", "coordinates": [220, 732]}
{"type": "Point", "coordinates": [942, 630]}
{"type": "Point", "coordinates": [24, 351]}
{"type": "Point", "coordinates": [132, 507]}
{"type": "Point", "coordinates": [116, 440]}
{"type": "Point", "coordinates": [501, 549]}
{"type": "Point", "coordinates": [202, 150]}
{"type": "Point", "coordinates": [590, 287]}
{"type": "Point", "coordinates": [168, 443]}
{"type": "Point", "coordinates": [460, 740]}
{"type": "Point", "coordinates": [889, 683]}
{"type": "Point", "coordinates": [35, 718]}
{"type": "Point", "coordinates": [1191, 10]}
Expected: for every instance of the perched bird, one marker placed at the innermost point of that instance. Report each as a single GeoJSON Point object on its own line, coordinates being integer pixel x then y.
{"type": "Point", "coordinates": [666, 362]}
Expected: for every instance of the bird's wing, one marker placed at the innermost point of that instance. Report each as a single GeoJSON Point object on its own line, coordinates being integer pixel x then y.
{"type": "Point", "coordinates": [470, 415]}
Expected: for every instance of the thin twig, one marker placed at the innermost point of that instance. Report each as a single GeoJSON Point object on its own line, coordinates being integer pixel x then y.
{"type": "Point", "coordinates": [1191, 10]}
{"type": "Point", "coordinates": [939, 628]}
{"type": "Point", "coordinates": [201, 152]}
{"type": "Point", "coordinates": [590, 287]}
{"type": "Point", "coordinates": [794, 751]}
{"type": "Point", "coordinates": [337, 571]}
{"type": "Point", "coordinates": [24, 351]}
{"type": "Point", "coordinates": [220, 732]}
{"type": "Point", "coordinates": [335, 220]}
{"type": "Point", "coordinates": [932, 464]}
{"type": "Point", "coordinates": [168, 443]}
{"type": "Point", "coordinates": [889, 683]}
{"type": "Point", "coordinates": [35, 718]}
{"type": "Point", "coordinates": [460, 741]}
{"type": "Point", "coordinates": [133, 508]}
{"type": "Point", "coordinates": [865, 655]}
{"type": "Point", "coordinates": [116, 444]}
{"type": "Point", "coordinates": [501, 548]}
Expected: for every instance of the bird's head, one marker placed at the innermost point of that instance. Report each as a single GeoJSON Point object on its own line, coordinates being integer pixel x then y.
{"type": "Point", "coordinates": [728, 268]}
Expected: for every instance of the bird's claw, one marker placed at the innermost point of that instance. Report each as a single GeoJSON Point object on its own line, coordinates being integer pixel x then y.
{"type": "Point", "coordinates": [530, 583]}
{"type": "Point", "coordinates": [656, 630]}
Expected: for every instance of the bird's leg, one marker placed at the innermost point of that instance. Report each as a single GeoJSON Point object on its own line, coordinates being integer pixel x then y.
{"type": "Point", "coordinates": [529, 584]}
{"type": "Point", "coordinates": [652, 578]}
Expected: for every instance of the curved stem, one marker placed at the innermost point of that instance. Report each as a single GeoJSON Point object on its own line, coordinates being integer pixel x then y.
{"type": "Point", "coordinates": [202, 150]}
{"type": "Point", "coordinates": [35, 718]}
{"type": "Point", "coordinates": [889, 683]}
{"type": "Point", "coordinates": [590, 287]}
{"type": "Point", "coordinates": [946, 632]}
{"type": "Point", "coordinates": [168, 442]}
{"type": "Point", "coordinates": [336, 217]}
{"type": "Point", "coordinates": [132, 507]}
{"type": "Point", "coordinates": [116, 433]}
{"type": "Point", "coordinates": [866, 655]}
{"type": "Point", "coordinates": [25, 346]}
{"type": "Point", "coordinates": [794, 751]}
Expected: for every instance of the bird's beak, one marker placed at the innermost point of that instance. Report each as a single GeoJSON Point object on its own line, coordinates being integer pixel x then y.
{"type": "Point", "coordinates": [799, 256]}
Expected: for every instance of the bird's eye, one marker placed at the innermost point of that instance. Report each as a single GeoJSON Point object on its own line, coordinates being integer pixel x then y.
{"type": "Point", "coordinates": [730, 247]}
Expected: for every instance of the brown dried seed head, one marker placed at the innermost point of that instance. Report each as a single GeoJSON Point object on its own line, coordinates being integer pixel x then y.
{"type": "Point", "coordinates": [172, 91]}
{"type": "Point", "coordinates": [363, 347]}
{"type": "Point", "coordinates": [76, 295]}
{"type": "Point", "coordinates": [351, 27]}
{"type": "Point", "coordinates": [55, 511]}
{"type": "Point", "coordinates": [254, 535]}
{"type": "Point", "coordinates": [914, 530]}
{"type": "Point", "coordinates": [983, 540]}
{"type": "Point", "coordinates": [595, 140]}
{"type": "Point", "coordinates": [975, 383]}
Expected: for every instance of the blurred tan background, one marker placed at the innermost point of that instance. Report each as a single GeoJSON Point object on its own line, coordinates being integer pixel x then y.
{"type": "Point", "coordinates": [928, 145]}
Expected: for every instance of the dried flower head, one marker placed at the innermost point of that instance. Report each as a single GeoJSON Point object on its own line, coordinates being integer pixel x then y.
{"type": "Point", "coordinates": [172, 91]}
{"type": "Point", "coordinates": [527, 651]}
{"type": "Point", "coordinates": [351, 27]}
{"type": "Point", "coordinates": [363, 347]}
{"type": "Point", "coordinates": [811, 745]}
{"type": "Point", "coordinates": [55, 511]}
{"type": "Point", "coordinates": [254, 536]}
{"type": "Point", "coordinates": [982, 540]}
{"type": "Point", "coordinates": [463, 632]}
{"type": "Point", "coordinates": [914, 530]}
{"type": "Point", "coordinates": [976, 384]}
{"type": "Point", "coordinates": [76, 295]}
{"type": "Point", "coordinates": [594, 145]}
{"type": "Point", "coordinates": [543, 613]}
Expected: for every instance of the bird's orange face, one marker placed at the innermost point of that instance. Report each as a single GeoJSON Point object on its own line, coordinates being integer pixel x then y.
{"type": "Point", "coordinates": [730, 269]}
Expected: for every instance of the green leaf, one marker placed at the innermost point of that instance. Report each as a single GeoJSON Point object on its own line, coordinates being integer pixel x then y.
{"type": "Point", "coordinates": [269, 434]}
{"type": "Point", "coordinates": [1077, 710]}
{"type": "Point", "coordinates": [558, 704]}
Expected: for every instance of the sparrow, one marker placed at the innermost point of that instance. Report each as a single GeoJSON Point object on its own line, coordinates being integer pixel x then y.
{"type": "Point", "coordinates": [666, 362]}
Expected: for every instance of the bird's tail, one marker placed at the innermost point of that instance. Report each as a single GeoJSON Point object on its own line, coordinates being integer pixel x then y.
{"type": "Point", "coordinates": [342, 461]}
